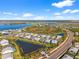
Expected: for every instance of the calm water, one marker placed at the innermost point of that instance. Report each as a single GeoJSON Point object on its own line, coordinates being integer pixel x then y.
{"type": "Point", "coordinates": [13, 26]}
{"type": "Point", "coordinates": [28, 47]}
{"type": "Point", "coordinates": [61, 34]}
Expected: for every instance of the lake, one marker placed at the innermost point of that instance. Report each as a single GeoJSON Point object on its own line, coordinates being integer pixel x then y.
{"type": "Point", "coordinates": [28, 47]}
{"type": "Point", "coordinates": [13, 26]}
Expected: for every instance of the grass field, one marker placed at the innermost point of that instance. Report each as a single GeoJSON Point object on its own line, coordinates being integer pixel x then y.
{"type": "Point", "coordinates": [74, 29]}
{"type": "Point", "coordinates": [17, 53]}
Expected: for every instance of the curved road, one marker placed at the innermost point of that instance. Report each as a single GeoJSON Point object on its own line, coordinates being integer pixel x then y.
{"type": "Point", "coordinates": [63, 47]}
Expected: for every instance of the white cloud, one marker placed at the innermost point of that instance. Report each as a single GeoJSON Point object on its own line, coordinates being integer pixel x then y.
{"type": "Point", "coordinates": [9, 13]}
{"type": "Point", "coordinates": [28, 15]}
{"type": "Point", "coordinates": [31, 16]}
{"type": "Point", "coordinates": [74, 11]}
{"type": "Point", "coordinates": [66, 11]}
{"type": "Point", "coordinates": [63, 3]}
{"type": "Point", "coordinates": [39, 18]}
{"type": "Point", "coordinates": [58, 17]}
{"type": "Point", "coordinates": [57, 13]}
{"type": "Point", "coordinates": [24, 16]}
{"type": "Point", "coordinates": [70, 11]}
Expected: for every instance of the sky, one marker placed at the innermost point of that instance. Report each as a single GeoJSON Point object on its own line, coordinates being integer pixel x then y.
{"type": "Point", "coordinates": [39, 9]}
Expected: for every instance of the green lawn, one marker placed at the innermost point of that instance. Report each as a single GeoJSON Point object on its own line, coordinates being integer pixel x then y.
{"type": "Point", "coordinates": [17, 53]}
{"type": "Point", "coordinates": [76, 39]}
{"type": "Point", "coordinates": [74, 29]}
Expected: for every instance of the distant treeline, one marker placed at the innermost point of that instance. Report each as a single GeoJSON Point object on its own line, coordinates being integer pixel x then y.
{"type": "Point", "coordinates": [27, 21]}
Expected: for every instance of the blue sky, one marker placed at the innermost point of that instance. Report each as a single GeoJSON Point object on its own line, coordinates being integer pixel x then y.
{"type": "Point", "coordinates": [39, 9]}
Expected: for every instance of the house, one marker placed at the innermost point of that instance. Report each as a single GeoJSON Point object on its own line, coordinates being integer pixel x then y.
{"type": "Point", "coordinates": [32, 37]}
{"type": "Point", "coordinates": [73, 50]}
{"type": "Point", "coordinates": [7, 49]}
{"type": "Point", "coordinates": [42, 40]}
{"type": "Point", "coordinates": [7, 56]}
{"type": "Point", "coordinates": [4, 42]}
{"type": "Point", "coordinates": [54, 41]}
{"type": "Point", "coordinates": [58, 37]}
{"type": "Point", "coordinates": [39, 35]}
{"type": "Point", "coordinates": [67, 57]}
{"type": "Point", "coordinates": [76, 33]}
{"type": "Point", "coordinates": [48, 37]}
{"type": "Point", "coordinates": [29, 36]}
{"type": "Point", "coordinates": [27, 33]}
{"type": "Point", "coordinates": [35, 35]}
{"type": "Point", "coordinates": [16, 35]}
{"type": "Point", "coordinates": [47, 41]}
{"type": "Point", "coordinates": [21, 35]}
{"type": "Point", "coordinates": [31, 33]}
{"type": "Point", "coordinates": [19, 30]}
{"type": "Point", "coordinates": [37, 39]}
{"type": "Point", "coordinates": [5, 32]}
{"type": "Point", "coordinates": [43, 36]}
{"type": "Point", "coordinates": [77, 45]}
{"type": "Point", "coordinates": [44, 53]}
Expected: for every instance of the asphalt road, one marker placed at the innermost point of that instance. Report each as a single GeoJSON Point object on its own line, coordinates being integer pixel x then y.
{"type": "Point", "coordinates": [63, 47]}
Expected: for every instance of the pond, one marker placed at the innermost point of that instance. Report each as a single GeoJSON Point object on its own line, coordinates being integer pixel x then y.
{"type": "Point", "coordinates": [28, 47]}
